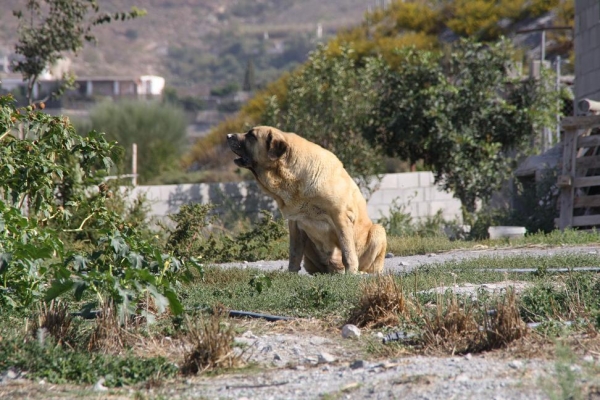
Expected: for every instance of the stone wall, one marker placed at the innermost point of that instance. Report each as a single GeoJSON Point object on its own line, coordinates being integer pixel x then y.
{"type": "Point", "coordinates": [587, 50]}
{"type": "Point", "coordinates": [415, 190]}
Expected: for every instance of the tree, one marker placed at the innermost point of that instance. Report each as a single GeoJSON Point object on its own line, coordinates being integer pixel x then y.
{"type": "Point", "coordinates": [158, 129]}
{"type": "Point", "coordinates": [464, 115]}
{"type": "Point", "coordinates": [249, 79]}
{"type": "Point", "coordinates": [331, 102]}
{"type": "Point", "coordinates": [49, 28]}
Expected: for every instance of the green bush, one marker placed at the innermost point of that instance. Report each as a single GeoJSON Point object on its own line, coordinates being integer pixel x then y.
{"type": "Point", "coordinates": [158, 129]}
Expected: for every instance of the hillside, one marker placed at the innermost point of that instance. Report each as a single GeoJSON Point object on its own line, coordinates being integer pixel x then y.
{"type": "Point", "coordinates": [199, 44]}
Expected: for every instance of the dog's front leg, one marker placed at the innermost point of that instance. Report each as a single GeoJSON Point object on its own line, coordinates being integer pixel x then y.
{"type": "Point", "coordinates": [297, 244]}
{"type": "Point", "coordinates": [345, 233]}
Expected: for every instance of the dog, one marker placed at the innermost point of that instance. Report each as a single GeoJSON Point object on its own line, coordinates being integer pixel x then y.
{"type": "Point", "coordinates": [327, 214]}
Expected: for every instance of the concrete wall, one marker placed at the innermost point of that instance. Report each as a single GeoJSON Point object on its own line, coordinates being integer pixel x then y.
{"type": "Point", "coordinates": [587, 50]}
{"type": "Point", "coordinates": [415, 190]}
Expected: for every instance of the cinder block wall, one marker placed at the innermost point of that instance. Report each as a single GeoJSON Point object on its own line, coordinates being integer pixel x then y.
{"type": "Point", "coordinates": [587, 50]}
{"type": "Point", "coordinates": [415, 190]}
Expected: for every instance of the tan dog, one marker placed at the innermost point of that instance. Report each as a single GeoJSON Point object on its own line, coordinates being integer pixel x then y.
{"type": "Point", "coordinates": [326, 212]}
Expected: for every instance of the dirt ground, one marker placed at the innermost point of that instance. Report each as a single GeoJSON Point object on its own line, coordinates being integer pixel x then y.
{"type": "Point", "coordinates": [309, 359]}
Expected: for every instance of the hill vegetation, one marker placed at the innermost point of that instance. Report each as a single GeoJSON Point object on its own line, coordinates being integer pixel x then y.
{"type": "Point", "coordinates": [200, 44]}
{"type": "Point", "coordinates": [423, 24]}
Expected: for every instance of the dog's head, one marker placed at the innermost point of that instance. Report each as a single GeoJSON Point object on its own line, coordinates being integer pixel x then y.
{"type": "Point", "coordinates": [260, 147]}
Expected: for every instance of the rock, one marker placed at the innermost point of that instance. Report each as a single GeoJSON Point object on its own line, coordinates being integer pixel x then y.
{"type": "Point", "coordinates": [404, 264]}
{"type": "Point", "coordinates": [575, 368]}
{"type": "Point", "coordinates": [99, 386]}
{"type": "Point", "coordinates": [379, 335]}
{"type": "Point", "coordinates": [350, 331]}
{"type": "Point", "coordinates": [468, 357]}
{"type": "Point", "coordinates": [589, 358]}
{"type": "Point", "coordinates": [356, 364]}
{"type": "Point", "coordinates": [266, 349]}
{"type": "Point", "coordinates": [325, 358]}
{"type": "Point", "coordinates": [516, 364]}
{"type": "Point", "coordinates": [389, 255]}
{"type": "Point", "coordinates": [248, 334]}
{"type": "Point", "coordinates": [277, 357]}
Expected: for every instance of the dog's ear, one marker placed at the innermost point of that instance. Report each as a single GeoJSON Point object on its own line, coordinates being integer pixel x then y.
{"type": "Point", "coordinates": [276, 146]}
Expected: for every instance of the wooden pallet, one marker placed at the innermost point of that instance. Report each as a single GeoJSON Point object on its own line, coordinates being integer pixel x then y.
{"type": "Point", "coordinates": [580, 172]}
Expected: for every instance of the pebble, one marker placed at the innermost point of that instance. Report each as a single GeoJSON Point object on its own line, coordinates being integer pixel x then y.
{"type": "Point", "coordinates": [468, 357]}
{"type": "Point", "coordinates": [389, 255]}
{"type": "Point", "coordinates": [350, 331]}
{"type": "Point", "coordinates": [325, 358]}
{"type": "Point", "coordinates": [356, 364]}
{"type": "Point", "coordinates": [516, 364]}
{"type": "Point", "coordinates": [404, 264]}
{"type": "Point", "coordinates": [99, 386]}
{"type": "Point", "coordinates": [589, 358]}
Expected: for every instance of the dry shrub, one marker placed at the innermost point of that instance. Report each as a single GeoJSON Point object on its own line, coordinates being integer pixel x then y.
{"type": "Point", "coordinates": [505, 325]}
{"type": "Point", "coordinates": [54, 319]}
{"type": "Point", "coordinates": [454, 329]}
{"type": "Point", "coordinates": [381, 303]}
{"type": "Point", "coordinates": [212, 345]}
{"type": "Point", "coordinates": [462, 329]}
{"type": "Point", "coordinates": [110, 335]}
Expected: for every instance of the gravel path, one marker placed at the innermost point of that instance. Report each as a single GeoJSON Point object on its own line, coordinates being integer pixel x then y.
{"type": "Point", "coordinates": [404, 264]}
{"type": "Point", "coordinates": [296, 367]}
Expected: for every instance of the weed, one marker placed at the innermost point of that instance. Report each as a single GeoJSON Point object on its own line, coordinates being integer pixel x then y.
{"type": "Point", "coordinates": [59, 365]}
{"type": "Point", "coordinates": [381, 302]}
{"type": "Point", "coordinates": [212, 345]}
{"type": "Point", "coordinates": [566, 385]}
{"type": "Point", "coordinates": [54, 319]}
{"type": "Point", "coordinates": [462, 327]}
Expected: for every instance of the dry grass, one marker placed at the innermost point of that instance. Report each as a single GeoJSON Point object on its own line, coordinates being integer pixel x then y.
{"type": "Point", "coordinates": [54, 319]}
{"type": "Point", "coordinates": [382, 302]}
{"type": "Point", "coordinates": [211, 345]}
{"type": "Point", "coordinates": [461, 328]}
{"type": "Point", "coordinates": [110, 335]}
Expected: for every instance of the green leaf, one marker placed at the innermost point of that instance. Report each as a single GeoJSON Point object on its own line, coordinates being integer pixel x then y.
{"type": "Point", "coordinates": [174, 303]}
{"type": "Point", "coordinates": [58, 288]}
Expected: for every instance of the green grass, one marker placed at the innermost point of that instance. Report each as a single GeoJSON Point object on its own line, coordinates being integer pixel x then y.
{"type": "Point", "coordinates": [323, 295]}
{"type": "Point", "coordinates": [413, 245]}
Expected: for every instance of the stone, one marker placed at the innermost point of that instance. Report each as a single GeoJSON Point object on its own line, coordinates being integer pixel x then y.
{"type": "Point", "coordinates": [356, 364]}
{"type": "Point", "coordinates": [589, 358]}
{"type": "Point", "coordinates": [325, 358]}
{"type": "Point", "coordinates": [350, 331]}
{"type": "Point", "coordinates": [389, 255]}
{"type": "Point", "coordinates": [468, 357]}
{"type": "Point", "coordinates": [516, 364]}
{"type": "Point", "coordinates": [99, 386]}
{"type": "Point", "coordinates": [404, 264]}
{"type": "Point", "coordinates": [277, 357]}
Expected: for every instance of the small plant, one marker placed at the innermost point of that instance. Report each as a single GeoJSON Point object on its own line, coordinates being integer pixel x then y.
{"type": "Point", "coordinates": [211, 345]}
{"type": "Point", "coordinates": [54, 319]}
{"type": "Point", "coordinates": [259, 282]}
{"type": "Point", "coordinates": [196, 235]}
{"type": "Point", "coordinates": [381, 303]}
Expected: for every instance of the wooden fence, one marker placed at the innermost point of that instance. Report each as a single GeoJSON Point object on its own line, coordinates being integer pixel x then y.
{"type": "Point", "coordinates": [579, 181]}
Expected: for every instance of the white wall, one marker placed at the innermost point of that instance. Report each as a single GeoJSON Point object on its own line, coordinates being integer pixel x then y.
{"type": "Point", "coordinates": [415, 190]}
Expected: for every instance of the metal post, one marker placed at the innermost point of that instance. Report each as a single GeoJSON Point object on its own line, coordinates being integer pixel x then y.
{"type": "Point", "coordinates": [543, 51]}
{"type": "Point", "coordinates": [558, 72]}
{"type": "Point", "coordinates": [134, 164]}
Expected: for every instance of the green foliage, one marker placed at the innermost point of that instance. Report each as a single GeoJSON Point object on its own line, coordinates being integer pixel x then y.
{"type": "Point", "coordinates": [464, 116]}
{"type": "Point", "coordinates": [331, 103]}
{"type": "Point", "coordinates": [57, 364]}
{"type": "Point", "coordinates": [195, 236]}
{"type": "Point", "coordinates": [157, 129]}
{"type": "Point", "coordinates": [57, 196]}
{"type": "Point", "coordinates": [50, 28]}
{"type": "Point", "coordinates": [538, 203]}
